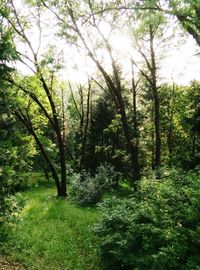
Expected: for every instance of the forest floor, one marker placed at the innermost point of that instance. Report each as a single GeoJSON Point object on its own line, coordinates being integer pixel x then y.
{"type": "Point", "coordinates": [51, 234]}
{"type": "Point", "coordinates": [5, 264]}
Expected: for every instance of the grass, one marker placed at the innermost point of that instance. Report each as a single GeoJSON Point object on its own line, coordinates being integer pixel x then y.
{"type": "Point", "coordinates": [53, 234]}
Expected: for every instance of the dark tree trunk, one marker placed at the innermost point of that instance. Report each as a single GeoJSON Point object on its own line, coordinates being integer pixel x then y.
{"type": "Point", "coordinates": [85, 129]}
{"type": "Point", "coordinates": [131, 147]}
{"type": "Point", "coordinates": [157, 129]}
{"type": "Point", "coordinates": [193, 145]}
{"type": "Point", "coordinates": [169, 142]}
{"type": "Point", "coordinates": [46, 173]}
{"type": "Point", "coordinates": [135, 120]}
{"type": "Point", "coordinates": [63, 191]}
{"type": "Point", "coordinates": [170, 131]}
{"type": "Point", "coordinates": [153, 70]}
{"type": "Point", "coordinates": [27, 123]}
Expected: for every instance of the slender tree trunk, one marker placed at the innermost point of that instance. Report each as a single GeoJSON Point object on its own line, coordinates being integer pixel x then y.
{"type": "Point", "coordinates": [82, 113]}
{"type": "Point", "coordinates": [170, 131]}
{"type": "Point", "coordinates": [63, 116]}
{"type": "Point", "coordinates": [169, 142]}
{"type": "Point", "coordinates": [193, 145]}
{"type": "Point", "coordinates": [157, 130]}
{"type": "Point", "coordinates": [135, 121]}
{"type": "Point", "coordinates": [152, 140]}
{"type": "Point", "coordinates": [131, 147]}
{"type": "Point", "coordinates": [27, 123]}
{"type": "Point", "coordinates": [46, 173]}
{"type": "Point", "coordinates": [61, 145]}
{"type": "Point", "coordinates": [156, 102]}
{"type": "Point", "coordinates": [85, 129]}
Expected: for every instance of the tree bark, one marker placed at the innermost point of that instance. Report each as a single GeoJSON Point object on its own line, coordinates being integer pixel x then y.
{"type": "Point", "coordinates": [61, 145]}
{"type": "Point", "coordinates": [156, 101]}
{"type": "Point", "coordinates": [85, 129]}
{"type": "Point", "coordinates": [27, 123]}
{"type": "Point", "coordinates": [134, 97]}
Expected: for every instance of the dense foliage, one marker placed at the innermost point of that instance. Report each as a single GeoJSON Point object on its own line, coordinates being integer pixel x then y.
{"type": "Point", "coordinates": [11, 157]}
{"type": "Point", "coordinates": [157, 229]}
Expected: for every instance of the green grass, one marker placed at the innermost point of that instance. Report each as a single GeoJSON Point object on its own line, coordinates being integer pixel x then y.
{"type": "Point", "coordinates": [53, 234]}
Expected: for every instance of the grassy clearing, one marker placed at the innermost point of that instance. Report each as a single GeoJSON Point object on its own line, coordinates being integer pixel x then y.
{"type": "Point", "coordinates": [53, 234]}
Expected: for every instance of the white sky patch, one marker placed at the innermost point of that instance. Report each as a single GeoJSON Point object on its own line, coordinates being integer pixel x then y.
{"type": "Point", "coordinates": [180, 65]}
{"type": "Point", "coordinates": [183, 64]}
{"type": "Point", "coordinates": [122, 44]}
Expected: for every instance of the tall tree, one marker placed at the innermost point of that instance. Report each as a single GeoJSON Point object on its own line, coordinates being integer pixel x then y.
{"type": "Point", "coordinates": [74, 25]}
{"type": "Point", "coordinates": [146, 37]}
{"type": "Point", "coordinates": [45, 79]}
{"type": "Point", "coordinates": [82, 106]}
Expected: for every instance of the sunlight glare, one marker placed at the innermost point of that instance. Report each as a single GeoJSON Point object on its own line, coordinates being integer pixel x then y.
{"type": "Point", "coordinates": [121, 43]}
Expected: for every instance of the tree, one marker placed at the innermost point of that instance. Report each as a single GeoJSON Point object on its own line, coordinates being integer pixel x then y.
{"type": "Point", "coordinates": [187, 13]}
{"type": "Point", "coordinates": [73, 25]}
{"type": "Point", "coordinates": [146, 39]}
{"type": "Point", "coordinates": [81, 107]}
{"type": "Point", "coordinates": [44, 77]}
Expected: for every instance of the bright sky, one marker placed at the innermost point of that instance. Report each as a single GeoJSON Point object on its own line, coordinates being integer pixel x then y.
{"type": "Point", "coordinates": [184, 64]}
{"type": "Point", "coordinates": [180, 65]}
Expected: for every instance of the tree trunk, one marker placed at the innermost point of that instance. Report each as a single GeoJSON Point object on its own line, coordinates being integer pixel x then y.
{"type": "Point", "coordinates": [157, 129]}
{"type": "Point", "coordinates": [156, 102]}
{"type": "Point", "coordinates": [193, 145]}
{"type": "Point", "coordinates": [85, 129]}
{"type": "Point", "coordinates": [63, 191]}
{"type": "Point", "coordinates": [27, 123]}
{"type": "Point", "coordinates": [131, 147]}
{"type": "Point", "coordinates": [135, 121]}
{"type": "Point", "coordinates": [169, 142]}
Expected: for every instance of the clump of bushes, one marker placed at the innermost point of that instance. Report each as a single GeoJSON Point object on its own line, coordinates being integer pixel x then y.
{"type": "Point", "coordinates": [86, 189]}
{"type": "Point", "coordinates": [10, 206]}
{"type": "Point", "coordinates": [158, 229]}
{"type": "Point", "coordinates": [10, 201]}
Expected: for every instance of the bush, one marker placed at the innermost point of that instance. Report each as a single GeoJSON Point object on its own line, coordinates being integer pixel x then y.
{"type": "Point", "coordinates": [87, 189]}
{"type": "Point", "coordinates": [157, 229]}
{"type": "Point", "coordinates": [10, 202]}
{"type": "Point", "coordinates": [84, 189]}
{"type": "Point", "coordinates": [10, 206]}
{"type": "Point", "coordinates": [107, 175]}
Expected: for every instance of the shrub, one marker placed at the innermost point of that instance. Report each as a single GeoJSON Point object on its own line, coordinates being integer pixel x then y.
{"type": "Point", "coordinates": [107, 175]}
{"type": "Point", "coordinates": [10, 206]}
{"type": "Point", "coordinates": [10, 203]}
{"type": "Point", "coordinates": [87, 189]}
{"type": "Point", "coordinates": [157, 229]}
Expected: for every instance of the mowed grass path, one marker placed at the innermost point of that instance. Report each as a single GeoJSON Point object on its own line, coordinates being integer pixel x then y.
{"type": "Point", "coordinates": [54, 234]}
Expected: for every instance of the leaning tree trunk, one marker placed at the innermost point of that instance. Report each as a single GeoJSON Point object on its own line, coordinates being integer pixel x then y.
{"type": "Point", "coordinates": [28, 124]}
{"type": "Point", "coordinates": [61, 146]}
